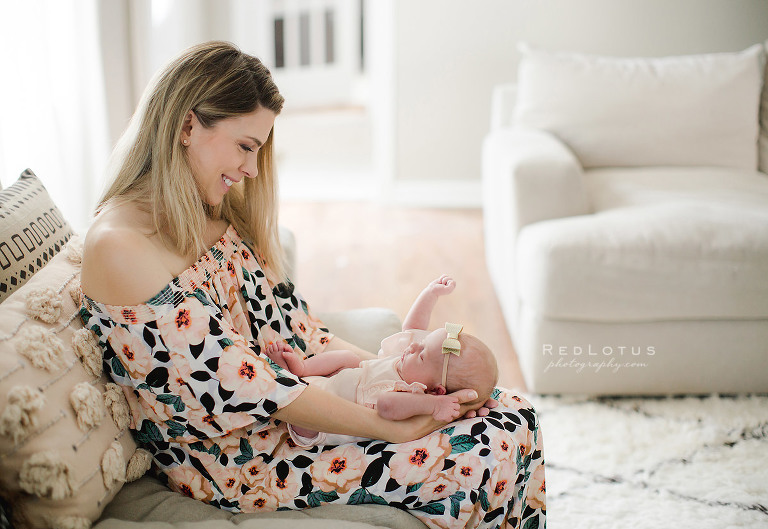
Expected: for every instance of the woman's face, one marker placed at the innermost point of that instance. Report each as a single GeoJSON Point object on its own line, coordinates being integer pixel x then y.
{"type": "Point", "coordinates": [224, 154]}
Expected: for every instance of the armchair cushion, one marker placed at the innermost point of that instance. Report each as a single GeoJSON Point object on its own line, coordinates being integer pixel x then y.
{"type": "Point", "coordinates": [663, 244]}
{"type": "Point", "coordinates": [698, 110]}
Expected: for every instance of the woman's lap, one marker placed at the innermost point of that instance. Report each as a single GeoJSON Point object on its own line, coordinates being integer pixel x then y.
{"type": "Point", "coordinates": [481, 472]}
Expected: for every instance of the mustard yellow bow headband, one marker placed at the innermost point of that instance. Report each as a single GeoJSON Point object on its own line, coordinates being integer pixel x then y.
{"type": "Point", "coordinates": [451, 345]}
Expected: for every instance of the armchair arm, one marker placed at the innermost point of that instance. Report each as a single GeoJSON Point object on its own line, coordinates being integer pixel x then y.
{"type": "Point", "coordinates": [530, 175]}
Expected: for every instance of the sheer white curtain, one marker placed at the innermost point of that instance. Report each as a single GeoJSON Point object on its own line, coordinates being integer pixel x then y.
{"type": "Point", "coordinates": [54, 114]}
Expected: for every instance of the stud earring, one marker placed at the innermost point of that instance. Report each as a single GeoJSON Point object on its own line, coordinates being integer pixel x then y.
{"type": "Point", "coordinates": [185, 142]}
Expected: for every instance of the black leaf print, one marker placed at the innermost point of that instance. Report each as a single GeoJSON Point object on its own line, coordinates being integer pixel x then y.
{"type": "Point", "coordinates": [528, 416]}
{"type": "Point", "coordinates": [162, 355]}
{"type": "Point", "coordinates": [164, 459]}
{"type": "Point", "coordinates": [373, 473]}
{"type": "Point", "coordinates": [282, 470]}
{"type": "Point", "coordinates": [214, 327]}
{"type": "Point", "coordinates": [478, 428]}
{"type": "Point", "coordinates": [224, 394]}
{"type": "Point", "coordinates": [157, 377]}
{"type": "Point", "coordinates": [197, 350]}
{"type": "Point", "coordinates": [301, 461]}
{"type": "Point", "coordinates": [208, 402]}
{"type": "Point", "coordinates": [212, 364]}
{"type": "Point", "coordinates": [243, 407]}
{"type": "Point", "coordinates": [149, 337]}
{"type": "Point", "coordinates": [391, 483]}
{"type": "Point", "coordinates": [269, 406]}
{"type": "Point", "coordinates": [289, 382]}
{"type": "Point", "coordinates": [202, 376]}
{"type": "Point", "coordinates": [275, 326]}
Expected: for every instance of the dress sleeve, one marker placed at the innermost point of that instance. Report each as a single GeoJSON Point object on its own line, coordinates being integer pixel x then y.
{"type": "Point", "coordinates": [187, 371]}
{"type": "Point", "coordinates": [310, 334]}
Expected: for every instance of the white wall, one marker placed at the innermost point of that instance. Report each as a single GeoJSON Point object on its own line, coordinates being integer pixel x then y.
{"type": "Point", "coordinates": [449, 55]}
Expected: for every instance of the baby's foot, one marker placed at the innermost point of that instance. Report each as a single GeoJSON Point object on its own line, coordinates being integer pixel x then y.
{"type": "Point", "coordinates": [294, 361]}
{"type": "Point", "coordinates": [275, 353]}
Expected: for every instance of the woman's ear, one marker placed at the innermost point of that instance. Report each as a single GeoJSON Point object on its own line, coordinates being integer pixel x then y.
{"type": "Point", "coordinates": [190, 121]}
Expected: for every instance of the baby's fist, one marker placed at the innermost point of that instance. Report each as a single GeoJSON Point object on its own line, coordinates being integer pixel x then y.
{"type": "Point", "coordinates": [446, 408]}
{"type": "Point", "coordinates": [443, 285]}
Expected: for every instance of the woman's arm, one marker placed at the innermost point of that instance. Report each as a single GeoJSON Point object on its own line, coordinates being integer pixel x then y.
{"type": "Point", "coordinates": [322, 411]}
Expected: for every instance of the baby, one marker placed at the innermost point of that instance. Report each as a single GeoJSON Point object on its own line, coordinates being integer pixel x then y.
{"type": "Point", "coordinates": [413, 375]}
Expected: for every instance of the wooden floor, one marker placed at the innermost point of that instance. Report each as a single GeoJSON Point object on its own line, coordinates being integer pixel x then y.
{"type": "Point", "coordinates": [353, 255]}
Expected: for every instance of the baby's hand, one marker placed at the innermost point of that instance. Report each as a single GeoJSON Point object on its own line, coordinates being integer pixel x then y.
{"type": "Point", "coordinates": [442, 285]}
{"type": "Point", "coordinates": [446, 408]}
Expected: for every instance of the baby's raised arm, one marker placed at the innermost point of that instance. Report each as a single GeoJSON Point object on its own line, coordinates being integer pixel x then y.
{"type": "Point", "coordinates": [397, 405]}
{"type": "Point", "coordinates": [421, 310]}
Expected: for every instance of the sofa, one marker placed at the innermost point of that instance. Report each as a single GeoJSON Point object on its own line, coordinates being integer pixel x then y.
{"type": "Point", "coordinates": [67, 459]}
{"type": "Point", "coordinates": [625, 206]}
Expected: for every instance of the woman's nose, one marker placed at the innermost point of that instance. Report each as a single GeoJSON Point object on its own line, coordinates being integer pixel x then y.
{"type": "Point", "coordinates": [250, 168]}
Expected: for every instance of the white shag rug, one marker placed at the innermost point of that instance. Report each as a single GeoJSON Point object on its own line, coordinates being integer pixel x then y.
{"type": "Point", "coordinates": [650, 463]}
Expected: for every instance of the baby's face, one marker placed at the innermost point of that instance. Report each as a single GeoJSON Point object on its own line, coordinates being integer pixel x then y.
{"type": "Point", "coordinates": [423, 361]}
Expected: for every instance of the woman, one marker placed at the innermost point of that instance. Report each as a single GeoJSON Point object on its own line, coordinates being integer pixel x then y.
{"type": "Point", "coordinates": [184, 285]}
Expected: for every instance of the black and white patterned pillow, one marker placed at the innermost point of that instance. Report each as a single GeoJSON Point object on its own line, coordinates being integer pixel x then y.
{"type": "Point", "coordinates": [32, 231]}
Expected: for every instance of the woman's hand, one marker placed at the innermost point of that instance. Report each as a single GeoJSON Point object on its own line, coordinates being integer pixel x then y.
{"type": "Point", "coordinates": [421, 425]}
{"type": "Point", "coordinates": [483, 410]}
{"type": "Point", "coordinates": [471, 407]}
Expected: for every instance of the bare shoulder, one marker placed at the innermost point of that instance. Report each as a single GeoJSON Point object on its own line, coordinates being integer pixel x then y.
{"type": "Point", "coordinates": [121, 265]}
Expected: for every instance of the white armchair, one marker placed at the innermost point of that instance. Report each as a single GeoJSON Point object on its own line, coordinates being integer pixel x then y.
{"type": "Point", "coordinates": [626, 222]}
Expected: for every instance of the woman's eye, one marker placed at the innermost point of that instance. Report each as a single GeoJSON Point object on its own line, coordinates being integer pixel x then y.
{"type": "Point", "coordinates": [245, 148]}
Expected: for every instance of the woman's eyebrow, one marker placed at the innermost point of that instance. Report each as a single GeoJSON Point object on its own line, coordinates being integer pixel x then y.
{"type": "Point", "coordinates": [257, 141]}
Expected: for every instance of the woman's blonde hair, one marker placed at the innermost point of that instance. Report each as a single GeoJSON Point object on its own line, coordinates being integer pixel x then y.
{"type": "Point", "coordinates": [149, 166]}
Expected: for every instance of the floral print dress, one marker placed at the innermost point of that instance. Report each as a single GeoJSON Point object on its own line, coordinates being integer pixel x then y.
{"type": "Point", "coordinates": [201, 393]}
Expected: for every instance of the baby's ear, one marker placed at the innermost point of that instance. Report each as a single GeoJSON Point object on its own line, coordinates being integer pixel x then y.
{"type": "Point", "coordinates": [437, 390]}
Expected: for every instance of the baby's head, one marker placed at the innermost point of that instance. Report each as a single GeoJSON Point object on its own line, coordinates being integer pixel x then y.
{"type": "Point", "coordinates": [474, 368]}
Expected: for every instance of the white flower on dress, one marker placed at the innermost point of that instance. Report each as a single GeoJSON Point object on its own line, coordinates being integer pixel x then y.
{"type": "Point", "coordinates": [284, 488]}
{"type": "Point", "coordinates": [132, 352]}
{"type": "Point", "coordinates": [537, 490]}
{"type": "Point", "coordinates": [254, 472]}
{"type": "Point", "coordinates": [258, 500]}
{"type": "Point", "coordinates": [185, 325]}
{"type": "Point", "coordinates": [468, 471]}
{"type": "Point", "coordinates": [502, 483]}
{"type": "Point", "coordinates": [503, 449]}
{"type": "Point", "coordinates": [415, 461]}
{"type": "Point", "coordinates": [245, 373]}
{"type": "Point", "coordinates": [437, 488]}
{"type": "Point", "coordinates": [189, 482]}
{"type": "Point", "coordinates": [338, 469]}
